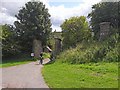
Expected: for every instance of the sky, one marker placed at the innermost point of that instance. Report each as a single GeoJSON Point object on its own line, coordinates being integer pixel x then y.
{"type": "Point", "coordinates": [58, 9]}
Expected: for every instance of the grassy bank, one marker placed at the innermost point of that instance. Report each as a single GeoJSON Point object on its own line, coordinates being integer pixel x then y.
{"type": "Point", "coordinates": [91, 52]}
{"type": "Point", "coordinates": [15, 61]}
{"type": "Point", "coordinates": [92, 75]}
{"type": "Point", "coordinates": [22, 59]}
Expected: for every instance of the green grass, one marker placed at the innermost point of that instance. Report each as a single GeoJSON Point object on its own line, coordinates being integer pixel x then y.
{"type": "Point", "coordinates": [92, 75]}
{"type": "Point", "coordinates": [15, 61]}
{"type": "Point", "coordinates": [21, 59]}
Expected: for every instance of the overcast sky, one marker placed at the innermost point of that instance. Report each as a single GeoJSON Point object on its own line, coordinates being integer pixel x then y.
{"type": "Point", "coordinates": [58, 9]}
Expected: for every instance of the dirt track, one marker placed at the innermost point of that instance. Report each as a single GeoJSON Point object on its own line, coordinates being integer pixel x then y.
{"type": "Point", "coordinates": [23, 76]}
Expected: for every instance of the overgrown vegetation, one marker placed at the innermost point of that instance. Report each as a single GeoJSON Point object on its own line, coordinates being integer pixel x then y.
{"type": "Point", "coordinates": [87, 62]}
{"type": "Point", "coordinates": [93, 52]}
{"type": "Point", "coordinates": [10, 46]}
{"type": "Point", "coordinates": [89, 65]}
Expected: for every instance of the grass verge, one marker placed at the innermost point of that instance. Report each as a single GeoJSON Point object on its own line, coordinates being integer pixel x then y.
{"type": "Point", "coordinates": [21, 59]}
{"type": "Point", "coordinates": [92, 75]}
{"type": "Point", "coordinates": [14, 62]}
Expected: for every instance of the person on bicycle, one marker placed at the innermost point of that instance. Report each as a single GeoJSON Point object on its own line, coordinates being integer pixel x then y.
{"type": "Point", "coordinates": [41, 58]}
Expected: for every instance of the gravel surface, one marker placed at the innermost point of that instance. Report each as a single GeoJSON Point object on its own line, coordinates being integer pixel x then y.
{"type": "Point", "coordinates": [24, 76]}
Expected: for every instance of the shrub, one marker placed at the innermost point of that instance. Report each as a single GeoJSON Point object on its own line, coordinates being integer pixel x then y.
{"type": "Point", "coordinates": [112, 55]}
{"type": "Point", "coordinates": [92, 52]}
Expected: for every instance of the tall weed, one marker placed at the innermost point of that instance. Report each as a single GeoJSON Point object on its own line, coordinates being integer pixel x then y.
{"type": "Point", "coordinates": [106, 51]}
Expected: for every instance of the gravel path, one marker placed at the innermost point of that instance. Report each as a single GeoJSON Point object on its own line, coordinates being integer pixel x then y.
{"type": "Point", "coordinates": [23, 76]}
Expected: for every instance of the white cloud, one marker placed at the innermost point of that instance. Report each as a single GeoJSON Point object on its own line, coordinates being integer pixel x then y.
{"type": "Point", "coordinates": [58, 13]}
{"type": "Point", "coordinates": [57, 28]}
{"type": "Point", "coordinates": [10, 8]}
{"type": "Point", "coordinates": [6, 19]}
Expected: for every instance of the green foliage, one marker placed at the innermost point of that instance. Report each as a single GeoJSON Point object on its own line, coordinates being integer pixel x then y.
{"type": "Point", "coordinates": [46, 55]}
{"type": "Point", "coordinates": [113, 47]}
{"type": "Point", "coordinates": [0, 33]}
{"type": "Point", "coordinates": [10, 46]}
{"type": "Point", "coordinates": [104, 12]}
{"type": "Point", "coordinates": [33, 23]}
{"type": "Point", "coordinates": [91, 52]}
{"type": "Point", "coordinates": [75, 30]}
{"type": "Point", "coordinates": [16, 60]}
{"type": "Point", "coordinates": [113, 55]}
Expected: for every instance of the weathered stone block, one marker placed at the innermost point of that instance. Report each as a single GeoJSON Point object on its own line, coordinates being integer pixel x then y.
{"type": "Point", "coordinates": [104, 30]}
{"type": "Point", "coordinates": [37, 48]}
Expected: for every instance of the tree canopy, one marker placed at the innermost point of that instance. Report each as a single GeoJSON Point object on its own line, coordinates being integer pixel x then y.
{"type": "Point", "coordinates": [75, 30]}
{"type": "Point", "coordinates": [33, 23]}
{"type": "Point", "coordinates": [9, 41]}
{"type": "Point", "coordinates": [104, 12]}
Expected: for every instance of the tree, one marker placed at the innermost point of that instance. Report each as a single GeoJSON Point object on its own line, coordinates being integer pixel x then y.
{"type": "Point", "coordinates": [33, 24]}
{"type": "Point", "coordinates": [10, 44]}
{"type": "Point", "coordinates": [104, 12]}
{"type": "Point", "coordinates": [75, 30]}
